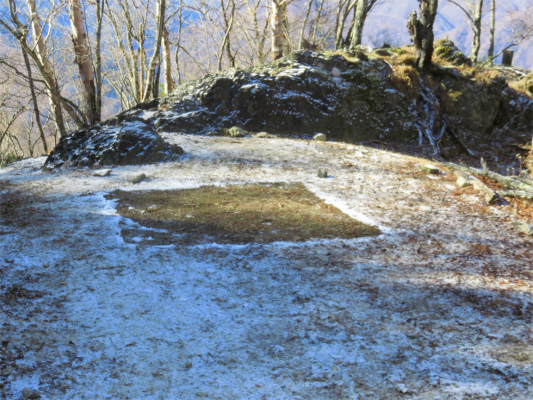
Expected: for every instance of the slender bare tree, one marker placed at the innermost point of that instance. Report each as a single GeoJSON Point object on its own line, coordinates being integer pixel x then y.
{"type": "Point", "coordinates": [520, 22]}
{"type": "Point", "coordinates": [473, 10]}
{"type": "Point", "coordinates": [279, 35]}
{"type": "Point", "coordinates": [83, 59]}
{"type": "Point", "coordinates": [492, 29]}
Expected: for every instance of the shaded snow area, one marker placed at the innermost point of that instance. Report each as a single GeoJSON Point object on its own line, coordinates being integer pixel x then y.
{"type": "Point", "coordinates": [439, 306]}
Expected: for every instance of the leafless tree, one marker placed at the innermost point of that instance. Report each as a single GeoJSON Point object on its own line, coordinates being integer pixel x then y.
{"type": "Point", "coordinates": [520, 22]}
{"type": "Point", "coordinates": [473, 10]}
{"type": "Point", "coordinates": [83, 59]}
{"type": "Point", "coordinates": [492, 29]}
{"type": "Point", "coordinates": [361, 9]}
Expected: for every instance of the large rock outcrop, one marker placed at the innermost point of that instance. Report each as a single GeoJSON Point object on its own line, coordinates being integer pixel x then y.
{"type": "Point", "coordinates": [305, 93]}
{"type": "Point", "coordinates": [128, 143]}
{"type": "Point", "coordinates": [356, 97]}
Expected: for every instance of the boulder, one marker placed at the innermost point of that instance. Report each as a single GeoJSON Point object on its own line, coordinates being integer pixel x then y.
{"type": "Point", "coordinates": [429, 169]}
{"type": "Point", "coordinates": [320, 137]}
{"type": "Point", "coordinates": [301, 93]}
{"type": "Point", "coordinates": [102, 172]}
{"type": "Point", "coordinates": [447, 50]}
{"type": "Point", "coordinates": [129, 143]}
{"type": "Point", "coordinates": [235, 131]}
{"type": "Point", "coordinates": [138, 178]}
{"type": "Point", "coordinates": [522, 227]}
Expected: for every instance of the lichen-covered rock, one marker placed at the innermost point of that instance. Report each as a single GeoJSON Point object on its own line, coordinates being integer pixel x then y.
{"type": "Point", "coordinates": [447, 50]}
{"type": "Point", "coordinates": [129, 142]}
{"type": "Point", "coordinates": [236, 132]}
{"type": "Point", "coordinates": [303, 93]}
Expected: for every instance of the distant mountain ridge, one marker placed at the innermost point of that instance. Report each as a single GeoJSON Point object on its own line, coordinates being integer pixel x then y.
{"type": "Point", "coordinates": [387, 24]}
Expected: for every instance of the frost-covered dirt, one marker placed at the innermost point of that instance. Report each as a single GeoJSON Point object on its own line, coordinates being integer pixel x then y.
{"type": "Point", "coordinates": [438, 307]}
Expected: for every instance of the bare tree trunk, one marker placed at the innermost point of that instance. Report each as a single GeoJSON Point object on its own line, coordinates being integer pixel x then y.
{"type": "Point", "coordinates": [128, 55]}
{"type": "Point", "coordinates": [287, 45]}
{"type": "Point", "coordinates": [304, 25]}
{"type": "Point", "coordinates": [228, 26]}
{"type": "Point", "coordinates": [35, 102]}
{"type": "Point", "coordinates": [279, 8]}
{"type": "Point", "coordinates": [150, 74]}
{"type": "Point", "coordinates": [340, 21]}
{"type": "Point", "coordinates": [492, 29]}
{"type": "Point", "coordinates": [476, 26]}
{"type": "Point", "coordinates": [167, 65]}
{"type": "Point", "coordinates": [40, 49]}
{"type": "Point", "coordinates": [421, 31]}
{"type": "Point", "coordinates": [358, 23]}
{"type": "Point", "coordinates": [98, 59]}
{"type": "Point", "coordinates": [83, 59]}
{"type": "Point", "coordinates": [317, 22]}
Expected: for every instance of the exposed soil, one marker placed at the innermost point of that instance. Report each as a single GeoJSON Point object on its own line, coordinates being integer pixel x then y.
{"type": "Point", "coordinates": [236, 214]}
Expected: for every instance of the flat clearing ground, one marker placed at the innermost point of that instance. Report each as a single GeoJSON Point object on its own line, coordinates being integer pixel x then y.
{"type": "Point", "coordinates": [95, 305]}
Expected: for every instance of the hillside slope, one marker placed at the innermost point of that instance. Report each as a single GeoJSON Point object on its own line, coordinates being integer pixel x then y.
{"type": "Point", "coordinates": [96, 305]}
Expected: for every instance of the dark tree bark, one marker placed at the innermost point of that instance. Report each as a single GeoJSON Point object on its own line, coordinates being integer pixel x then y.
{"type": "Point", "coordinates": [421, 31]}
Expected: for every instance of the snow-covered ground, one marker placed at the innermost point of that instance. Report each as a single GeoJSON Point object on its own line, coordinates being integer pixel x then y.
{"type": "Point", "coordinates": [439, 306]}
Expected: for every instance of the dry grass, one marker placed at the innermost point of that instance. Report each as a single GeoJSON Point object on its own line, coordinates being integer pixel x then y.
{"type": "Point", "coordinates": [405, 59]}
{"type": "Point", "coordinates": [236, 214]}
{"type": "Point", "coordinates": [524, 85]}
{"type": "Point", "coordinates": [485, 75]}
{"type": "Point", "coordinates": [406, 78]}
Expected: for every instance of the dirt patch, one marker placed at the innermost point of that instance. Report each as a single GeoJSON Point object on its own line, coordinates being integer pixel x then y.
{"type": "Point", "coordinates": [236, 214]}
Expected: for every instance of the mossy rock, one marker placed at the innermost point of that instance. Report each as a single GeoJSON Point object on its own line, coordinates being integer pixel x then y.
{"type": "Point", "coordinates": [446, 50]}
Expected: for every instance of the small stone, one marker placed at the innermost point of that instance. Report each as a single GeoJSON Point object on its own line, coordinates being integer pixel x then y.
{"type": "Point", "coordinates": [153, 208]}
{"type": "Point", "coordinates": [429, 169]}
{"type": "Point", "coordinates": [335, 71]}
{"type": "Point", "coordinates": [30, 394]}
{"type": "Point", "coordinates": [188, 365]}
{"type": "Point", "coordinates": [261, 135]}
{"type": "Point", "coordinates": [523, 227]}
{"type": "Point", "coordinates": [46, 169]}
{"type": "Point", "coordinates": [102, 172]}
{"type": "Point", "coordinates": [320, 137]}
{"type": "Point", "coordinates": [463, 182]}
{"type": "Point", "coordinates": [322, 173]}
{"type": "Point", "coordinates": [235, 131]}
{"type": "Point", "coordinates": [138, 178]}
{"type": "Point", "coordinates": [201, 394]}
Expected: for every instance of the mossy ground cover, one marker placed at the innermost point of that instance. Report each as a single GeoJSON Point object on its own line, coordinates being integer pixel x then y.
{"type": "Point", "coordinates": [236, 214]}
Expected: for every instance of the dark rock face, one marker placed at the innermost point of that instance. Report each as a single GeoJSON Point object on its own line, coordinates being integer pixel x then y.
{"type": "Point", "coordinates": [129, 143]}
{"type": "Point", "coordinates": [304, 93]}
